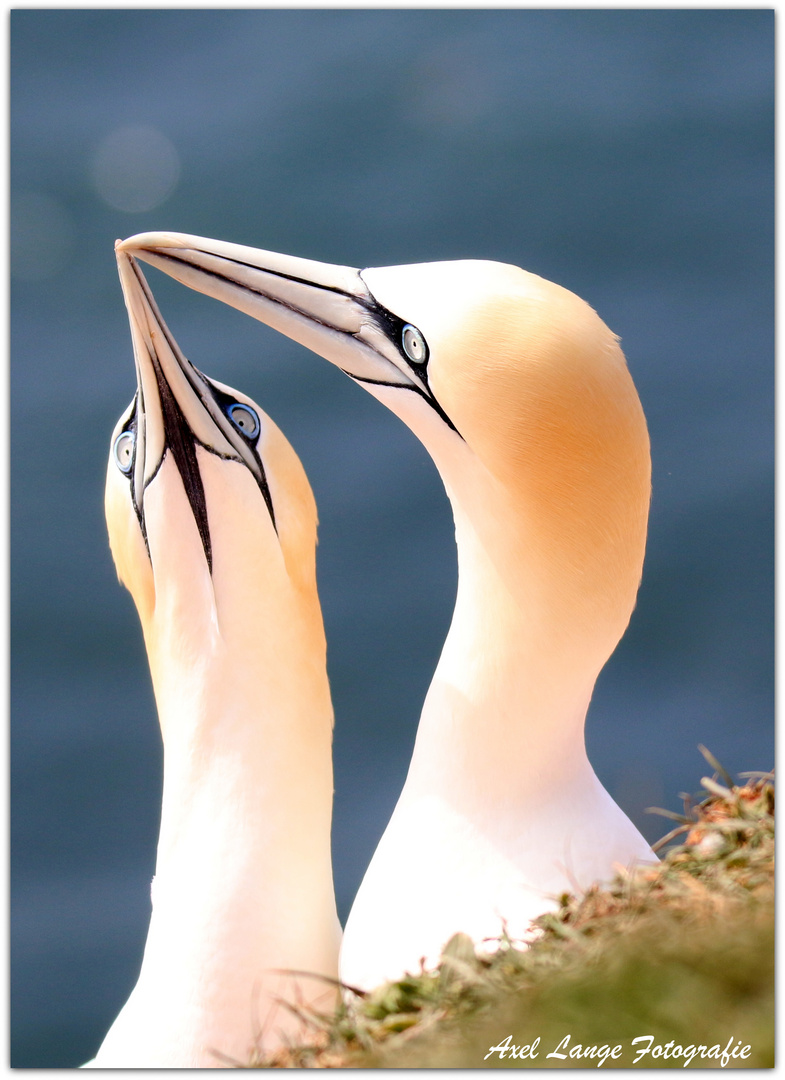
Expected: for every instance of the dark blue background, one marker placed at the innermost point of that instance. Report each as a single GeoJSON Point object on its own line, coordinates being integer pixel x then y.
{"type": "Point", "coordinates": [625, 154]}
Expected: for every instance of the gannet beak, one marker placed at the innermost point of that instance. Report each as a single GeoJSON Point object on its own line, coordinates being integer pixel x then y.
{"type": "Point", "coordinates": [327, 308]}
{"type": "Point", "coordinates": [176, 409]}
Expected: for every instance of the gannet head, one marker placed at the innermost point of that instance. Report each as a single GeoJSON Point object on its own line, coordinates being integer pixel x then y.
{"type": "Point", "coordinates": [514, 384]}
{"type": "Point", "coordinates": [211, 519]}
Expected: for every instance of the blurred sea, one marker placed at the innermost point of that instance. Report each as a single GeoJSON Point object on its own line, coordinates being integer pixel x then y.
{"type": "Point", "coordinates": [626, 154]}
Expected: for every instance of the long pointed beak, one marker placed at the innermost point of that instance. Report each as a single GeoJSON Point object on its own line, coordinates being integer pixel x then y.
{"type": "Point", "coordinates": [176, 409]}
{"type": "Point", "coordinates": [325, 307]}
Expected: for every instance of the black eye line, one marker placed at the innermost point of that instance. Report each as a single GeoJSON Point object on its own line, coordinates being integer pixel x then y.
{"type": "Point", "coordinates": [414, 389]}
{"type": "Point", "coordinates": [393, 327]}
{"type": "Point", "coordinates": [224, 401]}
{"type": "Point", "coordinates": [183, 450]}
{"type": "Point", "coordinates": [132, 425]}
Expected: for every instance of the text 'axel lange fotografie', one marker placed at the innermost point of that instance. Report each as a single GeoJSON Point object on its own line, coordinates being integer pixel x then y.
{"type": "Point", "coordinates": [643, 1045]}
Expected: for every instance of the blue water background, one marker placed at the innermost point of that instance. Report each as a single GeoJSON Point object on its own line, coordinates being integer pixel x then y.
{"type": "Point", "coordinates": [624, 154]}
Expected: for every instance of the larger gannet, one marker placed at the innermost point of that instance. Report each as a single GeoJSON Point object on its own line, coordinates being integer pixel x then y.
{"type": "Point", "coordinates": [523, 398]}
{"type": "Point", "coordinates": [212, 526]}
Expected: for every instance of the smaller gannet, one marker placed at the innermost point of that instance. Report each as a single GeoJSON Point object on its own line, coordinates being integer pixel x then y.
{"type": "Point", "coordinates": [212, 526]}
{"type": "Point", "coordinates": [523, 398]}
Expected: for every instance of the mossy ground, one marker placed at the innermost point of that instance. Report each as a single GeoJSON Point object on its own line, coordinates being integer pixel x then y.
{"type": "Point", "coordinates": [682, 952]}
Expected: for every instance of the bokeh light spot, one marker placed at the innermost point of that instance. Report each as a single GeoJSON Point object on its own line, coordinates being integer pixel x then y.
{"type": "Point", "coordinates": [136, 168]}
{"type": "Point", "coordinates": [42, 234]}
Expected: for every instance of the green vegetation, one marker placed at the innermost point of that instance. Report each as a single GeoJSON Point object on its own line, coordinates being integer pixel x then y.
{"type": "Point", "coordinates": [682, 952]}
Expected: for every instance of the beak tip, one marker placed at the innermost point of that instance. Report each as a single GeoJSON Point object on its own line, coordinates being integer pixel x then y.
{"type": "Point", "coordinates": [151, 240]}
{"type": "Point", "coordinates": [123, 264]}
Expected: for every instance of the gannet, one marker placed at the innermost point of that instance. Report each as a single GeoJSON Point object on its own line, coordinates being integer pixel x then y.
{"type": "Point", "coordinates": [212, 526]}
{"type": "Point", "coordinates": [523, 398]}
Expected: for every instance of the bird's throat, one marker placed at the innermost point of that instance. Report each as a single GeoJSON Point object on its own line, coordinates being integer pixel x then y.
{"type": "Point", "coordinates": [508, 699]}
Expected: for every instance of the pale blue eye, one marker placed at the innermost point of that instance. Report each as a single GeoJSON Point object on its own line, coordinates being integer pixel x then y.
{"type": "Point", "coordinates": [124, 451]}
{"type": "Point", "coordinates": [245, 419]}
{"type": "Point", "coordinates": [414, 344]}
